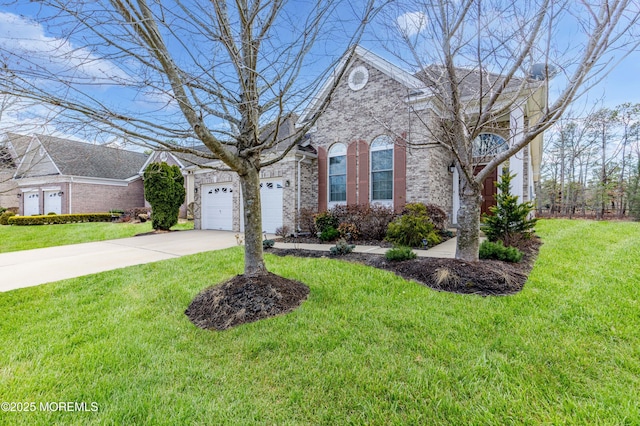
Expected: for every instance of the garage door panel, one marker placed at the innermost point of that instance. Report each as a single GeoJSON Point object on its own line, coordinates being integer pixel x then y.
{"type": "Point", "coordinates": [52, 202]}
{"type": "Point", "coordinates": [271, 196]}
{"type": "Point", "coordinates": [31, 203]}
{"type": "Point", "coordinates": [217, 207]}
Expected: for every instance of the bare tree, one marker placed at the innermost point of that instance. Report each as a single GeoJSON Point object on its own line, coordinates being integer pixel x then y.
{"type": "Point", "coordinates": [207, 72]}
{"type": "Point", "coordinates": [496, 57]}
{"type": "Point", "coordinates": [628, 115]}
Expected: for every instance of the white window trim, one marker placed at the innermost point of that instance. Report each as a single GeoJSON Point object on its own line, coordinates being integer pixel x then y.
{"type": "Point", "coordinates": [504, 146]}
{"type": "Point", "coordinates": [340, 153]}
{"type": "Point", "coordinates": [389, 145]}
{"type": "Point", "coordinates": [355, 86]}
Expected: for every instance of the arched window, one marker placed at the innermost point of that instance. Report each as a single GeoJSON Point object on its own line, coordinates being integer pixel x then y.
{"type": "Point", "coordinates": [488, 144]}
{"type": "Point", "coordinates": [382, 169]}
{"type": "Point", "coordinates": [338, 173]}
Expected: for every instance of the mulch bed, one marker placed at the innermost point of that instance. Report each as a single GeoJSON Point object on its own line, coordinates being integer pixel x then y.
{"type": "Point", "coordinates": [485, 278]}
{"type": "Point", "coordinates": [245, 299]}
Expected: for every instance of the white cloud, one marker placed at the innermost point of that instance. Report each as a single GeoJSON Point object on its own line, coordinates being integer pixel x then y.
{"type": "Point", "coordinates": [26, 41]}
{"type": "Point", "coordinates": [412, 23]}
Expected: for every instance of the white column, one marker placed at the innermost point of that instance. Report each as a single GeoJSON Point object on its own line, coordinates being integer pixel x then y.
{"type": "Point", "coordinates": [516, 163]}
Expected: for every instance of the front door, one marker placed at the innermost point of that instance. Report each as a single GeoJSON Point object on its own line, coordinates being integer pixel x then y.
{"type": "Point", "coordinates": [489, 190]}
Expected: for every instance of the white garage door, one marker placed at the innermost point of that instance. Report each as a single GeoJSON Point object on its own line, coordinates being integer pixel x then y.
{"type": "Point", "coordinates": [52, 202]}
{"type": "Point", "coordinates": [271, 198]}
{"type": "Point", "coordinates": [217, 207]}
{"type": "Point", "coordinates": [31, 203]}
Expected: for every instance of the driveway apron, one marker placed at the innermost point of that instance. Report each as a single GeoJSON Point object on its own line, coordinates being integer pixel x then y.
{"type": "Point", "coordinates": [33, 267]}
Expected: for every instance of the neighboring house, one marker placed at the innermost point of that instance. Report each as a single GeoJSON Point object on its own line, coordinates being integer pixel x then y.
{"type": "Point", "coordinates": [8, 162]}
{"type": "Point", "coordinates": [369, 147]}
{"type": "Point", "coordinates": [64, 176]}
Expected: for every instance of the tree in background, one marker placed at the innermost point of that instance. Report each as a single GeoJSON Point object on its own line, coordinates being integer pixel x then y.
{"type": "Point", "coordinates": [589, 163]}
{"type": "Point", "coordinates": [164, 190]}
{"type": "Point", "coordinates": [633, 192]}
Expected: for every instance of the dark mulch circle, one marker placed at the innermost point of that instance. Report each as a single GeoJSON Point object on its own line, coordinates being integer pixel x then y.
{"type": "Point", "coordinates": [244, 299]}
{"type": "Point", "coordinates": [486, 277]}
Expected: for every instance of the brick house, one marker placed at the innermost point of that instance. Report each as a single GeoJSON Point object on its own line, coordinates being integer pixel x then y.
{"type": "Point", "coordinates": [372, 145]}
{"type": "Point", "coordinates": [286, 187]}
{"type": "Point", "coordinates": [63, 176]}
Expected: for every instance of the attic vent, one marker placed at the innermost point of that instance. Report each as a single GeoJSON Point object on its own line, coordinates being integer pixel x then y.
{"type": "Point", "coordinates": [358, 78]}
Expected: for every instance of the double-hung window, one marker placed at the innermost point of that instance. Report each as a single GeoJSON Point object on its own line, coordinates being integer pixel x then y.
{"type": "Point", "coordinates": [338, 173]}
{"type": "Point", "coordinates": [382, 169]}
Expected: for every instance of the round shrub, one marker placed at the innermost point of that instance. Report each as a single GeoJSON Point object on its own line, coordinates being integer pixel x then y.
{"type": "Point", "coordinates": [329, 234]}
{"type": "Point", "coordinates": [324, 221]}
{"type": "Point", "coordinates": [413, 227]}
{"type": "Point", "coordinates": [341, 248]}
{"type": "Point", "coordinates": [497, 251]}
{"type": "Point", "coordinates": [348, 231]}
{"type": "Point", "coordinates": [267, 244]}
{"type": "Point", "coordinates": [397, 254]}
{"type": "Point", "coordinates": [437, 216]}
{"type": "Point", "coordinates": [4, 217]}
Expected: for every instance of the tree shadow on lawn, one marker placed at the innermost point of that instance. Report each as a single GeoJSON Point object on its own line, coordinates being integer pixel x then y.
{"type": "Point", "coordinates": [245, 299]}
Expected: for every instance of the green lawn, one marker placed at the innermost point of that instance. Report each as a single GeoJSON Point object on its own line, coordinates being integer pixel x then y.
{"type": "Point", "coordinates": [14, 238]}
{"type": "Point", "coordinates": [366, 348]}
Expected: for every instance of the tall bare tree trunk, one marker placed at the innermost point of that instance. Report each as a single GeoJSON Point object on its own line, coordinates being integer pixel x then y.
{"type": "Point", "coordinates": [254, 258]}
{"type": "Point", "coordinates": [469, 222]}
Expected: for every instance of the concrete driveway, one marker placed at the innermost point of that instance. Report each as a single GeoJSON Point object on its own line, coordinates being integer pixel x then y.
{"type": "Point", "coordinates": [33, 267]}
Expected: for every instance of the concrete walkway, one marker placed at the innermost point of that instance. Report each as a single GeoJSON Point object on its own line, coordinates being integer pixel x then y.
{"type": "Point", "coordinates": [446, 249]}
{"type": "Point", "coordinates": [39, 266]}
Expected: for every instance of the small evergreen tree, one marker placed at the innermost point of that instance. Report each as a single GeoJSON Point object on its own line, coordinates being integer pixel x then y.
{"type": "Point", "coordinates": [164, 190]}
{"type": "Point", "coordinates": [509, 220]}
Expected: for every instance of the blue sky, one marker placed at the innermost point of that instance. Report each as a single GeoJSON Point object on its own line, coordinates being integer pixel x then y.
{"type": "Point", "coordinates": [19, 29]}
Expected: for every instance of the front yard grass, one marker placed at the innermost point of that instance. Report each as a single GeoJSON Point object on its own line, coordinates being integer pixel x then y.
{"type": "Point", "coordinates": [15, 238]}
{"type": "Point", "coordinates": [366, 347]}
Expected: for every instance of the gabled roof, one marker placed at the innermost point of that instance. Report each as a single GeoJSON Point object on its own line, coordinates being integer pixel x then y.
{"type": "Point", "coordinates": [285, 132]}
{"type": "Point", "coordinates": [74, 158]}
{"type": "Point", "coordinates": [469, 80]}
{"type": "Point", "coordinates": [16, 145]}
{"type": "Point", "coordinates": [394, 72]}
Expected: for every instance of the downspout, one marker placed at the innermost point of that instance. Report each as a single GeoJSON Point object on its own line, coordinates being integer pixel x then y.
{"type": "Point", "coordinates": [299, 192]}
{"type": "Point", "coordinates": [70, 194]}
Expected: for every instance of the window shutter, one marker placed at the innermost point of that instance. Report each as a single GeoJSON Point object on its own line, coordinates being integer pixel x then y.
{"type": "Point", "coordinates": [322, 179]}
{"type": "Point", "coordinates": [399, 174]}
